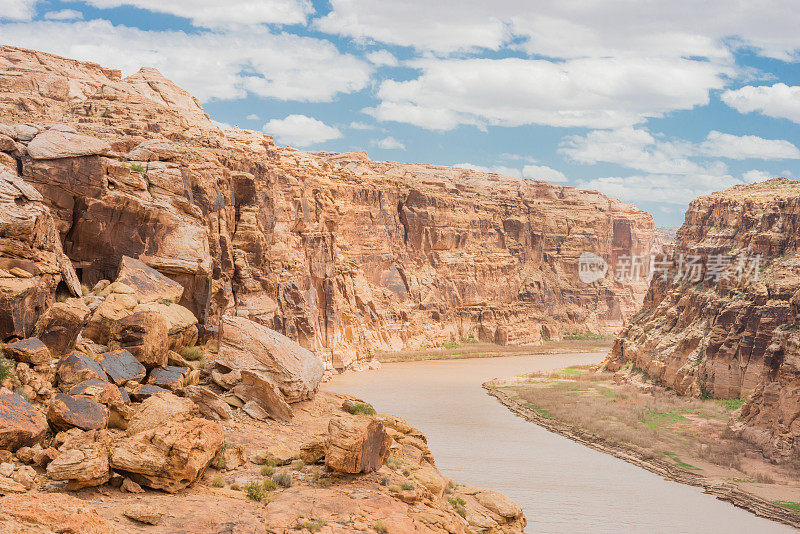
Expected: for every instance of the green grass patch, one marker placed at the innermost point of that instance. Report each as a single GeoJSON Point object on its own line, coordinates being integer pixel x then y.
{"type": "Point", "coordinates": [5, 368]}
{"type": "Point", "coordinates": [789, 504]}
{"type": "Point", "coordinates": [572, 371]}
{"type": "Point", "coordinates": [659, 419]}
{"type": "Point", "coordinates": [584, 336]}
{"type": "Point", "coordinates": [680, 463]}
{"type": "Point", "coordinates": [607, 392]}
{"type": "Point", "coordinates": [192, 354]}
{"type": "Point", "coordinates": [731, 404]}
{"type": "Point", "coordinates": [361, 408]}
{"type": "Point", "coordinates": [540, 411]}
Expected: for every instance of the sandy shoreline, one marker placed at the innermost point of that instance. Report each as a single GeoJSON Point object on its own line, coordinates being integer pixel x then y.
{"type": "Point", "coordinates": [726, 492]}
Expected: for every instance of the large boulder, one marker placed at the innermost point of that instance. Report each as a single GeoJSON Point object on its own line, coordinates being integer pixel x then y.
{"type": "Point", "coordinates": [59, 326]}
{"type": "Point", "coordinates": [121, 366]}
{"type": "Point", "coordinates": [77, 367]}
{"type": "Point", "coordinates": [169, 377]}
{"type": "Point", "coordinates": [31, 351]}
{"type": "Point", "coordinates": [149, 285]}
{"type": "Point", "coordinates": [82, 460]}
{"type": "Point", "coordinates": [246, 345]}
{"type": "Point", "coordinates": [356, 444]}
{"type": "Point", "coordinates": [167, 446]}
{"type": "Point", "coordinates": [181, 323]}
{"type": "Point", "coordinates": [56, 144]}
{"type": "Point", "coordinates": [100, 391]}
{"type": "Point", "coordinates": [51, 512]}
{"type": "Point", "coordinates": [143, 334]}
{"type": "Point", "coordinates": [211, 405]}
{"type": "Point", "coordinates": [257, 388]}
{"type": "Point", "coordinates": [21, 425]}
{"type": "Point", "coordinates": [67, 411]}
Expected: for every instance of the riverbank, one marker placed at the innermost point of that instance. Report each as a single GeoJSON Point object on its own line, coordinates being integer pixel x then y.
{"type": "Point", "coordinates": [468, 350]}
{"type": "Point", "coordinates": [680, 439]}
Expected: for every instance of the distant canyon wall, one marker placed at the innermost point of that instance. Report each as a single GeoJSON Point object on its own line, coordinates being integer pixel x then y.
{"type": "Point", "coordinates": [344, 254]}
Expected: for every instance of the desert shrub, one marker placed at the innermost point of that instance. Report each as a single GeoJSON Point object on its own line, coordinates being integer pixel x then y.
{"type": "Point", "coordinates": [459, 505]}
{"type": "Point", "coordinates": [192, 353]}
{"type": "Point", "coordinates": [298, 465]}
{"type": "Point", "coordinates": [269, 484]}
{"type": "Point", "coordinates": [380, 527]}
{"type": "Point", "coordinates": [218, 482]}
{"type": "Point", "coordinates": [407, 487]}
{"type": "Point", "coordinates": [361, 408]}
{"type": "Point", "coordinates": [283, 479]}
{"type": "Point", "coordinates": [137, 167]}
{"type": "Point", "coordinates": [165, 302]}
{"type": "Point", "coordinates": [311, 525]}
{"type": "Point", "coordinates": [255, 491]}
{"type": "Point", "coordinates": [267, 470]}
{"type": "Point", "coordinates": [384, 481]}
{"type": "Point", "coordinates": [6, 368]}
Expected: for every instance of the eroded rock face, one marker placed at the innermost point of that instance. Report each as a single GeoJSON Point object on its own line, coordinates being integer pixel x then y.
{"type": "Point", "coordinates": [144, 335]}
{"type": "Point", "coordinates": [59, 326]}
{"type": "Point", "coordinates": [82, 460]}
{"type": "Point", "coordinates": [356, 444]}
{"type": "Point", "coordinates": [20, 423]}
{"type": "Point", "coordinates": [339, 253]}
{"type": "Point", "coordinates": [51, 512]}
{"type": "Point", "coordinates": [735, 337]}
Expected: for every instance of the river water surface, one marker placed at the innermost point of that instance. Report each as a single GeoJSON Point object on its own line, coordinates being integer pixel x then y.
{"type": "Point", "coordinates": [561, 485]}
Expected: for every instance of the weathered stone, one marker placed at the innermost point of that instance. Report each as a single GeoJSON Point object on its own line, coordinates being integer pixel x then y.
{"type": "Point", "coordinates": [145, 391]}
{"type": "Point", "coordinates": [77, 367]}
{"type": "Point", "coordinates": [231, 457]}
{"type": "Point", "coordinates": [159, 408]}
{"type": "Point", "coordinates": [44, 457]}
{"type": "Point", "coordinates": [209, 403]}
{"type": "Point", "coordinates": [121, 366]}
{"type": "Point", "coordinates": [67, 411]}
{"type": "Point", "coordinates": [255, 387]}
{"type": "Point", "coordinates": [8, 485]}
{"type": "Point", "coordinates": [113, 308]}
{"type": "Point", "coordinates": [144, 514]}
{"type": "Point", "coordinates": [356, 444]}
{"type": "Point", "coordinates": [99, 391]}
{"type": "Point", "coordinates": [246, 345]}
{"type": "Point", "coordinates": [143, 334]}
{"type": "Point", "coordinates": [51, 512]}
{"type": "Point", "coordinates": [82, 460]}
{"type": "Point", "coordinates": [130, 486]}
{"type": "Point", "coordinates": [31, 351]}
{"type": "Point", "coordinates": [149, 285]}
{"type": "Point", "coordinates": [181, 322]}
{"type": "Point", "coordinates": [53, 144]}
{"type": "Point", "coordinates": [20, 423]}
{"type": "Point", "coordinates": [59, 326]}
{"type": "Point", "coordinates": [313, 451]}
{"type": "Point", "coordinates": [169, 377]}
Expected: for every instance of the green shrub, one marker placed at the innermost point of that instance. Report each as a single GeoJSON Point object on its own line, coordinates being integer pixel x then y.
{"type": "Point", "coordinates": [450, 345]}
{"type": "Point", "coordinates": [312, 525]}
{"type": "Point", "coordinates": [267, 470]}
{"type": "Point", "coordinates": [255, 491]}
{"type": "Point", "coordinates": [218, 482]}
{"type": "Point", "coordinates": [384, 481]}
{"type": "Point", "coordinates": [380, 527]}
{"type": "Point", "coordinates": [165, 302]}
{"type": "Point", "coordinates": [6, 368]}
{"type": "Point", "coordinates": [283, 479]}
{"type": "Point", "coordinates": [137, 167]}
{"type": "Point", "coordinates": [298, 465]}
{"type": "Point", "coordinates": [407, 487]}
{"type": "Point", "coordinates": [361, 408]}
{"type": "Point", "coordinates": [731, 404]}
{"type": "Point", "coordinates": [459, 505]}
{"type": "Point", "coordinates": [269, 484]}
{"type": "Point", "coordinates": [192, 354]}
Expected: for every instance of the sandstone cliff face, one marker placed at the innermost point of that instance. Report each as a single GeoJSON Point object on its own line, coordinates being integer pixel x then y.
{"type": "Point", "coordinates": [341, 253]}
{"type": "Point", "coordinates": [736, 337]}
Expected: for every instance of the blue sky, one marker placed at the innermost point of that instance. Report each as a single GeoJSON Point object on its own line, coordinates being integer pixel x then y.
{"type": "Point", "coordinates": [651, 102]}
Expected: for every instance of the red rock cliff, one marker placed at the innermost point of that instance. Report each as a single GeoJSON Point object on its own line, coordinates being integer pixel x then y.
{"type": "Point", "coordinates": [736, 336]}
{"type": "Point", "coordinates": [344, 254]}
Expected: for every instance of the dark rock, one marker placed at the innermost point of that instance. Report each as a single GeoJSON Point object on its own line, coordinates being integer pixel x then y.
{"type": "Point", "coordinates": [31, 351]}
{"type": "Point", "coordinates": [99, 391]}
{"type": "Point", "coordinates": [169, 377]}
{"type": "Point", "coordinates": [145, 391]}
{"type": "Point", "coordinates": [121, 366]}
{"type": "Point", "coordinates": [145, 335]}
{"type": "Point", "coordinates": [59, 326]}
{"type": "Point", "coordinates": [67, 411]}
{"type": "Point", "coordinates": [76, 367]}
{"type": "Point", "coordinates": [20, 423]}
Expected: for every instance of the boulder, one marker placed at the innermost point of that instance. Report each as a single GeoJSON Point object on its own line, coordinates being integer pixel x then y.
{"type": "Point", "coordinates": [246, 345]}
{"type": "Point", "coordinates": [313, 451]}
{"type": "Point", "coordinates": [67, 411]}
{"type": "Point", "coordinates": [257, 388]}
{"type": "Point", "coordinates": [169, 377]}
{"type": "Point", "coordinates": [121, 366]}
{"type": "Point", "coordinates": [356, 444]}
{"type": "Point", "coordinates": [144, 513]}
{"type": "Point", "coordinates": [56, 144]}
{"type": "Point", "coordinates": [77, 367]}
{"type": "Point", "coordinates": [100, 391]}
{"type": "Point", "coordinates": [51, 512]}
{"type": "Point", "coordinates": [145, 391]}
{"type": "Point", "coordinates": [20, 423]}
{"type": "Point", "coordinates": [166, 446]}
{"type": "Point", "coordinates": [115, 307]}
{"type": "Point", "coordinates": [181, 323]}
{"type": "Point", "coordinates": [82, 460]}
{"type": "Point", "coordinates": [31, 351]}
{"type": "Point", "coordinates": [149, 285]}
{"type": "Point", "coordinates": [209, 403]}
{"type": "Point", "coordinates": [59, 326]}
{"type": "Point", "coordinates": [143, 334]}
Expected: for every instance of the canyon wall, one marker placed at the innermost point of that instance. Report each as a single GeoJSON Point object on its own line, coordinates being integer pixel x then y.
{"type": "Point", "coordinates": [343, 254]}
{"type": "Point", "coordinates": [734, 332]}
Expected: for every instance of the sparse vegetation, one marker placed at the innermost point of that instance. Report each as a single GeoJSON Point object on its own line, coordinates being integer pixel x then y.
{"type": "Point", "coordinates": [165, 302]}
{"type": "Point", "coordinates": [584, 336]}
{"type": "Point", "coordinates": [138, 167]}
{"type": "Point", "coordinates": [361, 408]}
{"type": "Point", "coordinates": [380, 527]}
{"type": "Point", "coordinates": [269, 484]}
{"type": "Point", "coordinates": [789, 504]}
{"type": "Point", "coordinates": [256, 491]}
{"type": "Point", "coordinates": [267, 470]}
{"type": "Point", "coordinates": [298, 465]}
{"type": "Point", "coordinates": [731, 404]}
{"type": "Point", "coordinates": [406, 486]}
{"type": "Point", "coordinates": [311, 525]}
{"type": "Point", "coordinates": [384, 481]}
{"type": "Point", "coordinates": [283, 479]}
{"type": "Point", "coordinates": [460, 505]}
{"type": "Point", "coordinates": [192, 354]}
{"type": "Point", "coordinates": [218, 482]}
{"type": "Point", "coordinates": [6, 368]}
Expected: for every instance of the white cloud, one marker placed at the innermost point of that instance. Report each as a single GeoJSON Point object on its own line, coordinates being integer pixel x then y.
{"type": "Point", "coordinates": [390, 143]}
{"type": "Point", "coordinates": [253, 117]}
{"type": "Point", "coordinates": [724, 145]}
{"type": "Point", "coordinates": [669, 189]}
{"type": "Point", "coordinates": [756, 176]}
{"type": "Point", "coordinates": [590, 92]}
{"type": "Point", "coordinates": [64, 14]}
{"type": "Point", "coordinates": [301, 130]}
{"type": "Point", "coordinates": [382, 57]}
{"type": "Point", "coordinates": [780, 100]}
{"type": "Point", "coordinates": [17, 9]}
{"type": "Point", "coordinates": [543, 172]}
{"type": "Point", "coordinates": [496, 169]}
{"type": "Point", "coordinates": [361, 126]}
{"type": "Point", "coordinates": [224, 65]}
{"type": "Point", "coordinates": [215, 14]}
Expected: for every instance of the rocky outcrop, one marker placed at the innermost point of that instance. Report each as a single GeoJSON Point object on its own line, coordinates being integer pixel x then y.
{"type": "Point", "coordinates": [51, 512]}
{"type": "Point", "coordinates": [732, 330]}
{"type": "Point", "coordinates": [342, 254]}
{"type": "Point", "coordinates": [356, 444]}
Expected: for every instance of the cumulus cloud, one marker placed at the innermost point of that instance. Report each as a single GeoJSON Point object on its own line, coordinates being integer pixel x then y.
{"type": "Point", "coordinates": [382, 58]}
{"type": "Point", "coordinates": [587, 92]}
{"type": "Point", "coordinates": [17, 9]}
{"type": "Point", "coordinates": [724, 145]}
{"type": "Point", "coordinates": [360, 126]}
{"type": "Point", "coordinates": [215, 14]}
{"type": "Point", "coordinates": [390, 143]}
{"type": "Point", "coordinates": [496, 169]}
{"type": "Point", "coordinates": [64, 14]}
{"type": "Point", "coordinates": [756, 176]}
{"type": "Point", "coordinates": [669, 189]}
{"type": "Point", "coordinates": [253, 117]}
{"type": "Point", "coordinates": [780, 101]}
{"type": "Point", "coordinates": [223, 65]}
{"type": "Point", "coordinates": [543, 172]}
{"type": "Point", "coordinates": [301, 131]}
